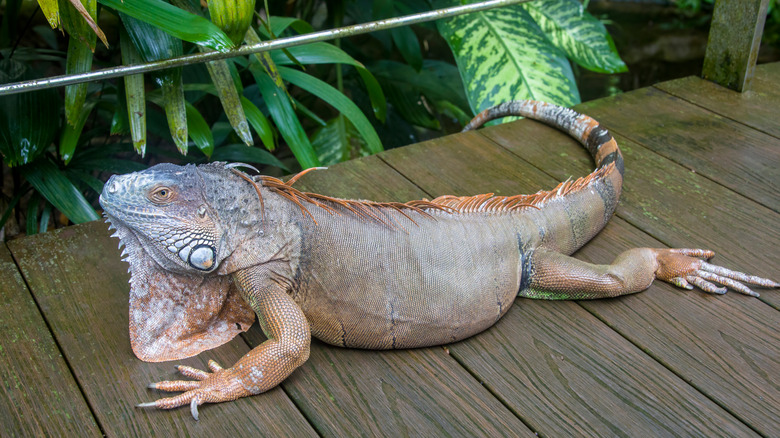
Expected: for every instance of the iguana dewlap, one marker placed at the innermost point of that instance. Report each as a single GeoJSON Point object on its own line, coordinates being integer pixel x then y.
{"type": "Point", "coordinates": [210, 246]}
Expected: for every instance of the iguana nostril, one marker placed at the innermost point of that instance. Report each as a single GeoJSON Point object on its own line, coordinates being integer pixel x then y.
{"type": "Point", "coordinates": [112, 188]}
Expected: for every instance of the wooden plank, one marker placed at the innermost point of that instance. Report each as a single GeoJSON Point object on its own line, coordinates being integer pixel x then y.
{"type": "Point", "coordinates": [77, 277]}
{"type": "Point", "coordinates": [756, 108]}
{"type": "Point", "coordinates": [727, 152]}
{"type": "Point", "coordinates": [38, 395]}
{"type": "Point", "coordinates": [734, 39]}
{"type": "Point", "coordinates": [768, 72]}
{"type": "Point", "coordinates": [563, 371]}
{"type": "Point", "coordinates": [553, 355]}
{"type": "Point", "coordinates": [728, 347]}
{"type": "Point", "coordinates": [681, 208]}
{"type": "Point", "coordinates": [421, 392]}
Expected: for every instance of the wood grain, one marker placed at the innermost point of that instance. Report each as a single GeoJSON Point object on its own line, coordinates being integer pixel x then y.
{"type": "Point", "coordinates": [727, 347]}
{"type": "Point", "coordinates": [729, 153]}
{"type": "Point", "coordinates": [38, 395]}
{"type": "Point", "coordinates": [563, 371]}
{"type": "Point", "coordinates": [420, 392]}
{"type": "Point", "coordinates": [755, 108]}
{"type": "Point", "coordinates": [77, 277]}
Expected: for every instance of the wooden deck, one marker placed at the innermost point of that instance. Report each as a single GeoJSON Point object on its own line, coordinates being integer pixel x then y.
{"type": "Point", "coordinates": [703, 170]}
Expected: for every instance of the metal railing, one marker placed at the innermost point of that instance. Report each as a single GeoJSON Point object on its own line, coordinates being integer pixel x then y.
{"type": "Point", "coordinates": [281, 43]}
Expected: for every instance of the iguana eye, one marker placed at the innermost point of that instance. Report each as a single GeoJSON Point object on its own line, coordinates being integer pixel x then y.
{"type": "Point", "coordinates": [161, 195]}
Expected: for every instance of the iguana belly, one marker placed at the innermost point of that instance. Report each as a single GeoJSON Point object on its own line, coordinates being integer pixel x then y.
{"type": "Point", "coordinates": [435, 283]}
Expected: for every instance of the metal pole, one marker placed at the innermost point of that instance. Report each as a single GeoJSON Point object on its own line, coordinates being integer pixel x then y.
{"type": "Point", "coordinates": [357, 29]}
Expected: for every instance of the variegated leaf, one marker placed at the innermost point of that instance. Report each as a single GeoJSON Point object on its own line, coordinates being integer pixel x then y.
{"type": "Point", "coordinates": [503, 55]}
{"type": "Point", "coordinates": [581, 36]}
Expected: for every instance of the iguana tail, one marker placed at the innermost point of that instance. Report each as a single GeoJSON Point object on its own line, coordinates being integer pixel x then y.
{"type": "Point", "coordinates": [595, 138]}
{"type": "Point", "coordinates": [577, 210]}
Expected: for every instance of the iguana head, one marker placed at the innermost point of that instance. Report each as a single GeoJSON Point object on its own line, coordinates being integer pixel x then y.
{"type": "Point", "coordinates": [174, 222]}
{"type": "Point", "coordinates": [165, 208]}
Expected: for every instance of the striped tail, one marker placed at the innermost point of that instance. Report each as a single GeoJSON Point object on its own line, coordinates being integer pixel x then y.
{"type": "Point", "coordinates": [595, 138]}
{"type": "Point", "coordinates": [582, 213]}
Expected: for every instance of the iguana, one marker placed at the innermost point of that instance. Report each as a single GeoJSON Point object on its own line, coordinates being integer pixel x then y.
{"type": "Point", "coordinates": [210, 246]}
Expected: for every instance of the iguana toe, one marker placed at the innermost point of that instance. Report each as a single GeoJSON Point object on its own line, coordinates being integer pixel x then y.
{"type": "Point", "coordinates": [683, 268]}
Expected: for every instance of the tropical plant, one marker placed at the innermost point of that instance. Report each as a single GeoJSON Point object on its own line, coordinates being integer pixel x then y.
{"type": "Point", "coordinates": [319, 99]}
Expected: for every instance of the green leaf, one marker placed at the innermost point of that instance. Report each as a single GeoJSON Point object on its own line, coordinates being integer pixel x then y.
{"type": "Point", "coordinates": [264, 58]}
{"type": "Point", "coordinates": [332, 96]}
{"type": "Point", "coordinates": [53, 185]}
{"type": "Point", "coordinates": [305, 111]}
{"type": "Point", "coordinates": [228, 96]}
{"type": "Point", "coordinates": [51, 10]}
{"type": "Point", "coordinates": [119, 119]}
{"type": "Point", "coordinates": [45, 217]}
{"type": "Point", "coordinates": [199, 130]}
{"type": "Point", "coordinates": [75, 24]}
{"type": "Point", "coordinates": [280, 24]}
{"type": "Point", "coordinates": [407, 43]}
{"type": "Point", "coordinates": [152, 45]}
{"type": "Point", "coordinates": [259, 123]}
{"type": "Point", "coordinates": [243, 154]}
{"type": "Point", "coordinates": [581, 36]}
{"type": "Point", "coordinates": [284, 116]}
{"type": "Point", "coordinates": [337, 141]}
{"type": "Point", "coordinates": [134, 95]}
{"type": "Point", "coordinates": [70, 135]}
{"type": "Point", "coordinates": [408, 102]}
{"type": "Point", "coordinates": [403, 37]}
{"type": "Point", "coordinates": [79, 61]}
{"type": "Point", "coordinates": [23, 135]}
{"type": "Point", "coordinates": [33, 204]}
{"type": "Point", "coordinates": [80, 47]}
{"type": "Point", "coordinates": [86, 178]}
{"type": "Point", "coordinates": [175, 108]}
{"type": "Point", "coordinates": [503, 55]}
{"type": "Point", "coordinates": [323, 53]}
{"type": "Point", "coordinates": [15, 200]}
{"type": "Point", "coordinates": [438, 82]}
{"type": "Point", "coordinates": [174, 21]}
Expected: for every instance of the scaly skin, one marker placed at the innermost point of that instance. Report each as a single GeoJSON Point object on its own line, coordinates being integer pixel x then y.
{"type": "Point", "coordinates": [208, 246]}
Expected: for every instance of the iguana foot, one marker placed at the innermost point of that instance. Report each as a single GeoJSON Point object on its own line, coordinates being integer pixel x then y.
{"type": "Point", "coordinates": [684, 268]}
{"type": "Point", "coordinates": [217, 386]}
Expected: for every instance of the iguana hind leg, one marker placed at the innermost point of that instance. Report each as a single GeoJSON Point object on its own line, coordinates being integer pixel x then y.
{"type": "Point", "coordinates": [261, 369]}
{"type": "Point", "coordinates": [556, 276]}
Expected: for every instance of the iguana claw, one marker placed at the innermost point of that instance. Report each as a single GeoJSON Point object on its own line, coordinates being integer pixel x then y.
{"type": "Point", "coordinates": [214, 387]}
{"type": "Point", "coordinates": [194, 408]}
{"type": "Point", "coordinates": [682, 268]}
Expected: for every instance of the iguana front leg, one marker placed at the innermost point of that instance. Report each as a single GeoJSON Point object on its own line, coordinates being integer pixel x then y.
{"type": "Point", "coordinates": [555, 276]}
{"type": "Point", "coordinates": [267, 365]}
